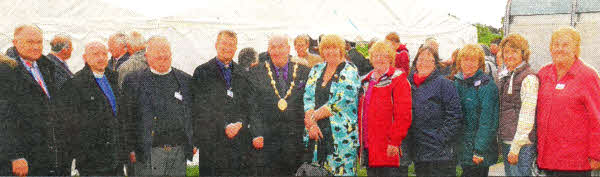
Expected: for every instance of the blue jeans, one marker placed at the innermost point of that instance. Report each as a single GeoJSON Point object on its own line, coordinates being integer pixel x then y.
{"type": "Point", "coordinates": [526, 157]}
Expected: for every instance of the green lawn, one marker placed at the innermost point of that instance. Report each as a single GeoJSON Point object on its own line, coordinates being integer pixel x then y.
{"type": "Point", "coordinates": [191, 171]}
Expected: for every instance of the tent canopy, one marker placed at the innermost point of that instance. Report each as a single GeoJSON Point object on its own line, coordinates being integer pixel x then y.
{"type": "Point", "coordinates": [193, 32]}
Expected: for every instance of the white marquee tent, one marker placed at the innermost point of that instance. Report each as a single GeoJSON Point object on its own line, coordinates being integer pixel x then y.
{"type": "Point", "coordinates": [193, 32]}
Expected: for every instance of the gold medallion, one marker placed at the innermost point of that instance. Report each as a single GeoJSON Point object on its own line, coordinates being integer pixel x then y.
{"type": "Point", "coordinates": [282, 104]}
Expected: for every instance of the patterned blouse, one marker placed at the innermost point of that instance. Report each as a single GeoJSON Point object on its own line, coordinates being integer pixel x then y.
{"type": "Point", "coordinates": [342, 103]}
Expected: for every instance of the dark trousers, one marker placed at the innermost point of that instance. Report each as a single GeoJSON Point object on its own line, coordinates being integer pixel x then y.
{"type": "Point", "coordinates": [383, 171]}
{"type": "Point", "coordinates": [435, 168]}
{"type": "Point", "coordinates": [475, 171]}
{"type": "Point", "coordinates": [568, 173]}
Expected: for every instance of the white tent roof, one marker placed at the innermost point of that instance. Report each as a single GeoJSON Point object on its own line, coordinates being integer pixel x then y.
{"type": "Point", "coordinates": [193, 32]}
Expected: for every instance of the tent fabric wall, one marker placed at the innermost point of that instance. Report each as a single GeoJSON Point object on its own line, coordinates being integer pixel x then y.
{"type": "Point", "coordinates": [193, 32]}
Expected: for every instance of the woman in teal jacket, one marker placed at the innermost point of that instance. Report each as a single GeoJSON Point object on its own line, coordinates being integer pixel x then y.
{"type": "Point", "coordinates": [477, 147]}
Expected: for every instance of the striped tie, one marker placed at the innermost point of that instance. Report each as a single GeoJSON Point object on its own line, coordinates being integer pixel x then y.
{"type": "Point", "coordinates": [37, 76]}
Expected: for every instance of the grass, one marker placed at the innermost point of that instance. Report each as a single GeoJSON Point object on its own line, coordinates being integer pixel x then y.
{"type": "Point", "coordinates": [192, 171]}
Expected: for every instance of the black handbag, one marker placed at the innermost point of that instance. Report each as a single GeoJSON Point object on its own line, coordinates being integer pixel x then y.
{"type": "Point", "coordinates": [312, 168]}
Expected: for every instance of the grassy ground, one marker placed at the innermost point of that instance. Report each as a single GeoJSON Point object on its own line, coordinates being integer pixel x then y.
{"type": "Point", "coordinates": [193, 170]}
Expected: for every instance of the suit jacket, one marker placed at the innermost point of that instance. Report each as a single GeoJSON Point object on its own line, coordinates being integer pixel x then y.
{"type": "Point", "coordinates": [91, 126]}
{"type": "Point", "coordinates": [214, 110]}
{"type": "Point", "coordinates": [62, 72]}
{"type": "Point", "coordinates": [282, 130]}
{"type": "Point", "coordinates": [33, 129]}
{"type": "Point", "coordinates": [112, 62]}
{"type": "Point", "coordinates": [139, 113]}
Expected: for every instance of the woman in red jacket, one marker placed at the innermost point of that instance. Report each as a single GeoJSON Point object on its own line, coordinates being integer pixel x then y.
{"type": "Point", "coordinates": [384, 112]}
{"type": "Point", "coordinates": [568, 111]}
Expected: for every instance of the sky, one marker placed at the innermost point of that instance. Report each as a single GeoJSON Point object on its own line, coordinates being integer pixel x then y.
{"type": "Point", "coordinates": [489, 12]}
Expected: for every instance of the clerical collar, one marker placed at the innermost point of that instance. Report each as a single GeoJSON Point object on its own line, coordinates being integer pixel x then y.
{"type": "Point", "coordinates": [98, 75]}
{"type": "Point", "coordinates": [158, 73]}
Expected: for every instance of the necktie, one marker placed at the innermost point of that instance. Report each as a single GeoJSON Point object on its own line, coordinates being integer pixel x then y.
{"type": "Point", "coordinates": [37, 76]}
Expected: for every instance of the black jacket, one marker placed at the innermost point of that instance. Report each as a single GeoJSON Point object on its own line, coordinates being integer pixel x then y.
{"type": "Point", "coordinates": [112, 62]}
{"type": "Point", "coordinates": [34, 133]}
{"type": "Point", "coordinates": [91, 126]}
{"type": "Point", "coordinates": [62, 72]}
{"type": "Point", "coordinates": [213, 110]}
{"type": "Point", "coordinates": [7, 97]}
{"type": "Point", "coordinates": [141, 117]}
{"type": "Point", "coordinates": [363, 64]}
{"type": "Point", "coordinates": [282, 130]}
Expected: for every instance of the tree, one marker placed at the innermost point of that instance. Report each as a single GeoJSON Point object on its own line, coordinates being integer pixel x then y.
{"type": "Point", "coordinates": [486, 34]}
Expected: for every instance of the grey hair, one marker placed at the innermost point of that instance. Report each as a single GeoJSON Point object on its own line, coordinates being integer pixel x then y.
{"type": "Point", "coordinates": [60, 45]}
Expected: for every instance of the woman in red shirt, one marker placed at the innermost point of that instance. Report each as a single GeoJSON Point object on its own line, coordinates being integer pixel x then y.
{"type": "Point", "coordinates": [568, 110]}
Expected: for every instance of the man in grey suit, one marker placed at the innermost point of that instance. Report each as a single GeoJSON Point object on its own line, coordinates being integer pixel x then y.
{"type": "Point", "coordinates": [61, 47]}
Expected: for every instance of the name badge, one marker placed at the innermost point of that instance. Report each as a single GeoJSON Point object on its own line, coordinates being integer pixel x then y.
{"type": "Point", "coordinates": [178, 96]}
{"type": "Point", "coordinates": [230, 93]}
{"type": "Point", "coordinates": [477, 83]}
{"type": "Point", "coordinates": [560, 86]}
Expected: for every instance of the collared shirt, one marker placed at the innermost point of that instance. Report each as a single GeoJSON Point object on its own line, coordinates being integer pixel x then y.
{"type": "Point", "coordinates": [283, 69]}
{"type": "Point", "coordinates": [33, 68]}
{"type": "Point", "coordinates": [568, 114]}
{"type": "Point", "coordinates": [226, 71]}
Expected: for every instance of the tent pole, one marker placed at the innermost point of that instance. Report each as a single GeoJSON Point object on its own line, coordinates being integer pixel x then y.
{"type": "Point", "coordinates": [573, 12]}
{"type": "Point", "coordinates": [506, 24]}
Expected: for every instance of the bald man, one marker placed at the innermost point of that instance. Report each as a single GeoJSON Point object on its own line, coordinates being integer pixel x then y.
{"type": "Point", "coordinates": [89, 104]}
{"type": "Point", "coordinates": [157, 115]}
{"type": "Point", "coordinates": [34, 134]}
{"type": "Point", "coordinates": [61, 48]}
{"type": "Point", "coordinates": [277, 116]}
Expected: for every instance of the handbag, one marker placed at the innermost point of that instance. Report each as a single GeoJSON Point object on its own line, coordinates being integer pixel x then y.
{"type": "Point", "coordinates": [312, 168]}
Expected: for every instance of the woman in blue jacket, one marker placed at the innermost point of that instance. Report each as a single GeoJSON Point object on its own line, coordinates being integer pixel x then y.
{"type": "Point", "coordinates": [436, 116]}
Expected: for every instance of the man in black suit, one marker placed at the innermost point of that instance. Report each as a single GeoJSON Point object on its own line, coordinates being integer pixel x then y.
{"type": "Point", "coordinates": [61, 47]}
{"type": "Point", "coordinates": [36, 137]}
{"type": "Point", "coordinates": [117, 46]}
{"type": "Point", "coordinates": [221, 108]}
{"type": "Point", "coordinates": [157, 115]}
{"type": "Point", "coordinates": [278, 110]}
{"type": "Point", "coordinates": [89, 104]}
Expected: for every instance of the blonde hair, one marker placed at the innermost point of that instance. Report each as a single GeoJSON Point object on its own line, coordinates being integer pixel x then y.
{"type": "Point", "coordinates": [384, 47]}
{"type": "Point", "coordinates": [474, 51]}
{"type": "Point", "coordinates": [332, 40]}
{"type": "Point", "coordinates": [571, 33]}
{"type": "Point", "coordinates": [517, 41]}
{"type": "Point", "coordinates": [393, 36]}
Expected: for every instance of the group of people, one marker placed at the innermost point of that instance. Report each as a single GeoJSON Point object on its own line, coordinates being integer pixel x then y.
{"type": "Point", "coordinates": [135, 114]}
